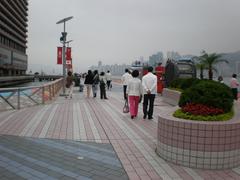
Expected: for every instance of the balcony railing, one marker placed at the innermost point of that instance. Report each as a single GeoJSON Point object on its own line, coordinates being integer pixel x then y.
{"type": "Point", "coordinates": [18, 98]}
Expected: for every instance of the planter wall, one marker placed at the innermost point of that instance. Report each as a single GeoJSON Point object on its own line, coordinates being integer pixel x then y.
{"type": "Point", "coordinates": [170, 96]}
{"type": "Point", "coordinates": [198, 144]}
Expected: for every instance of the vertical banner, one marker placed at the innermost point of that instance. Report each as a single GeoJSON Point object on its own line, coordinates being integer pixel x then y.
{"type": "Point", "coordinates": [68, 53]}
{"type": "Point", "coordinates": [69, 64]}
{"type": "Point", "coordinates": [59, 55]}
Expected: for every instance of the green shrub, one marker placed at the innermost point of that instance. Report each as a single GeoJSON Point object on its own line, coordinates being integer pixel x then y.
{"type": "Point", "coordinates": [222, 117]}
{"type": "Point", "coordinates": [210, 93]}
{"type": "Point", "coordinates": [183, 84]}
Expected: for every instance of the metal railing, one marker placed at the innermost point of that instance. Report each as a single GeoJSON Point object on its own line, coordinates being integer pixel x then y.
{"type": "Point", "coordinates": [17, 98]}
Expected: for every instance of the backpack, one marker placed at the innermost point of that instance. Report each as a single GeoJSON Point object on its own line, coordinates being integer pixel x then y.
{"type": "Point", "coordinates": [96, 79]}
{"type": "Point", "coordinates": [102, 82]}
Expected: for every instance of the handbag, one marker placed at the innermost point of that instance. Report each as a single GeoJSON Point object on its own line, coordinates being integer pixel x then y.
{"type": "Point", "coordinates": [126, 107]}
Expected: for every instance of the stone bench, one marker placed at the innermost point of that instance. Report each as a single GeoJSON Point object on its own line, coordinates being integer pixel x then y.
{"type": "Point", "coordinates": [170, 96]}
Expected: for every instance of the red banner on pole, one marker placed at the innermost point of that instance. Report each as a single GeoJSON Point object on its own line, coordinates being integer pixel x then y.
{"type": "Point", "coordinates": [59, 55]}
{"type": "Point", "coordinates": [68, 54]}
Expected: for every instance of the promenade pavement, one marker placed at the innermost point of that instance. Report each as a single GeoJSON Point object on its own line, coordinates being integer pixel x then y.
{"type": "Point", "coordinates": [88, 138]}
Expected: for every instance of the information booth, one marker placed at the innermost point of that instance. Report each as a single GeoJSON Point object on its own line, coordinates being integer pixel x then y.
{"type": "Point", "coordinates": [183, 68]}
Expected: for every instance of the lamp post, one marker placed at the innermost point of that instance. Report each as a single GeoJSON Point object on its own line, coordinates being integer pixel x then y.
{"type": "Point", "coordinates": [64, 38]}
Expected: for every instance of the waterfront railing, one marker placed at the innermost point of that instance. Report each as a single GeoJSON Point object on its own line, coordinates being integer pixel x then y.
{"type": "Point", "coordinates": [21, 97]}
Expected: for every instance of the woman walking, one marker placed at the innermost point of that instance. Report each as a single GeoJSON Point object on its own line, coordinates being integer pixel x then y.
{"type": "Point", "coordinates": [234, 86]}
{"type": "Point", "coordinates": [134, 91]}
{"type": "Point", "coordinates": [69, 85]}
{"type": "Point", "coordinates": [88, 82]}
{"type": "Point", "coordinates": [103, 81]}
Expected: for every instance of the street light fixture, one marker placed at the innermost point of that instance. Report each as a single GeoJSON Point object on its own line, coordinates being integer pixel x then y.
{"type": "Point", "coordinates": [64, 38]}
{"type": "Point", "coordinates": [67, 42]}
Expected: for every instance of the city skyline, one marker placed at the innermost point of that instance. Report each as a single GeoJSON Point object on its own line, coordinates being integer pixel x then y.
{"type": "Point", "coordinates": [122, 31]}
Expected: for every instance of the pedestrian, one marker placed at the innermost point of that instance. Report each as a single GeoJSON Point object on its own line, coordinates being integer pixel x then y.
{"type": "Point", "coordinates": [125, 79]}
{"type": "Point", "coordinates": [69, 85]}
{"type": "Point", "coordinates": [220, 79]}
{"type": "Point", "coordinates": [109, 80]}
{"type": "Point", "coordinates": [234, 86]}
{"type": "Point", "coordinates": [88, 82]}
{"type": "Point", "coordinates": [95, 83]}
{"type": "Point", "coordinates": [149, 84]}
{"type": "Point", "coordinates": [102, 82]}
{"type": "Point", "coordinates": [134, 91]}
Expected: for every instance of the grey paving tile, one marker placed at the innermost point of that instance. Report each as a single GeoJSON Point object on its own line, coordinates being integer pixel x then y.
{"type": "Point", "coordinates": [49, 159]}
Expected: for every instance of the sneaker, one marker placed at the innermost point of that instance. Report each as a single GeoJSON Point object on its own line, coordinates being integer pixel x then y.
{"type": "Point", "coordinates": [132, 117]}
{"type": "Point", "coordinates": [150, 118]}
{"type": "Point", "coordinates": [144, 117]}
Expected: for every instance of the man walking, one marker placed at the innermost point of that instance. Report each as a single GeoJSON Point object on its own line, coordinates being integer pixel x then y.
{"type": "Point", "coordinates": [125, 79]}
{"type": "Point", "coordinates": [109, 80]}
{"type": "Point", "coordinates": [149, 83]}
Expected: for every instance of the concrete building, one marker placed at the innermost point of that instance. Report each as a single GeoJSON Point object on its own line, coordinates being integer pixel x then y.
{"type": "Point", "coordinates": [13, 37]}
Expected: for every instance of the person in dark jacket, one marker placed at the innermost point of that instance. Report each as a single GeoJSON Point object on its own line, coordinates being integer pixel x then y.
{"type": "Point", "coordinates": [95, 83]}
{"type": "Point", "coordinates": [103, 82]}
{"type": "Point", "coordinates": [88, 82]}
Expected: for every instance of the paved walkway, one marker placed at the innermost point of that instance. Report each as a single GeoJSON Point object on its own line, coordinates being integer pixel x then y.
{"type": "Point", "coordinates": [86, 138]}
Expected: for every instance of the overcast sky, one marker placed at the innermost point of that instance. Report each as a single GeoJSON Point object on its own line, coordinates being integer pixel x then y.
{"type": "Point", "coordinates": [120, 31]}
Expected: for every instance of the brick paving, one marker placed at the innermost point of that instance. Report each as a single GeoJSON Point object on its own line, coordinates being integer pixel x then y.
{"type": "Point", "coordinates": [88, 138]}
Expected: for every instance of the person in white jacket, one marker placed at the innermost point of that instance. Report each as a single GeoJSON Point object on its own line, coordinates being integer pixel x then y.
{"type": "Point", "coordinates": [125, 79]}
{"type": "Point", "coordinates": [149, 84]}
{"type": "Point", "coordinates": [134, 91]}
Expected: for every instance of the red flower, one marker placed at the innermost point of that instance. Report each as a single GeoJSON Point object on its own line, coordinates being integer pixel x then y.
{"type": "Point", "coordinates": [201, 109]}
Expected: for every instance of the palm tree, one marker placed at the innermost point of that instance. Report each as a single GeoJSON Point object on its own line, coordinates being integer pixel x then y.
{"type": "Point", "coordinates": [209, 60]}
{"type": "Point", "coordinates": [201, 67]}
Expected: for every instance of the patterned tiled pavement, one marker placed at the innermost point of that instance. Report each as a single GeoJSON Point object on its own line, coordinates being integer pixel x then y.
{"type": "Point", "coordinates": [76, 138]}
{"type": "Point", "coordinates": [34, 158]}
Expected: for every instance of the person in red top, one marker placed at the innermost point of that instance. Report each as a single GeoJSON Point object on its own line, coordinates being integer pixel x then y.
{"type": "Point", "coordinates": [234, 85]}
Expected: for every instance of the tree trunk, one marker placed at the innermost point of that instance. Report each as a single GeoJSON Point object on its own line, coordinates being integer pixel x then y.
{"type": "Point", "coordinates": [210, 73]}
{"type": "Point", "coordinates": [201, 72]}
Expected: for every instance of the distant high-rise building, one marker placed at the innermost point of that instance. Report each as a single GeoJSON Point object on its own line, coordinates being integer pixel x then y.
{"type": "Point", "coordinates": [13, 37]}
{"type": "Point", "coordinates": [99, 63]}
{"type": "Point", "coordinates": [155, 59]}
{"type": "Point", "coordinates": [173, 55]}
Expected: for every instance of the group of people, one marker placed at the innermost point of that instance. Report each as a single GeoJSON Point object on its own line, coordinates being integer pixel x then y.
{"type": "Point", "coordinates": [134, 90]}
{"type": "Point", "coordinates": [94, 79]}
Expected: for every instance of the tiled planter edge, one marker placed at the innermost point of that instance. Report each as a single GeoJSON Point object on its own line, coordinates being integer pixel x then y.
{"type": "Point", "coordinates": [198, 144]}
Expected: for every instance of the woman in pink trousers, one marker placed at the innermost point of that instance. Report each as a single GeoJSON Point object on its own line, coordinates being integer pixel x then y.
{"type": "Point", "coordinates": [134, 91]}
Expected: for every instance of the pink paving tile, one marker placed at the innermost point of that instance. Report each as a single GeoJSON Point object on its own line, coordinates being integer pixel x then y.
{"type": "Point", "coordinates": [86, 123]}
{"type": "Point", "coordinates": [53, 123]}
{"type": "Point", "coordinates": [136, 164]}
{"type": "Point", "coordinates": [145, 178]}
{"type": "Point", "coordinates": [153, 175]}
{"type": "Point", "coordinates": [40, 126]}
{"type": "Point", "coordinates": [141, 171]}
{"type": "Point", "coordinates": [128, 168]}
{"type": "Point", "coordinates": [17, 127]}
{"type": "Point", "coordinates": [133, 176]}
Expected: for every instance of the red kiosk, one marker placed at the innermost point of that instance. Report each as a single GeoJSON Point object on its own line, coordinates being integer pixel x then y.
{"type": "Point", "coordinates": [160, 70]}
